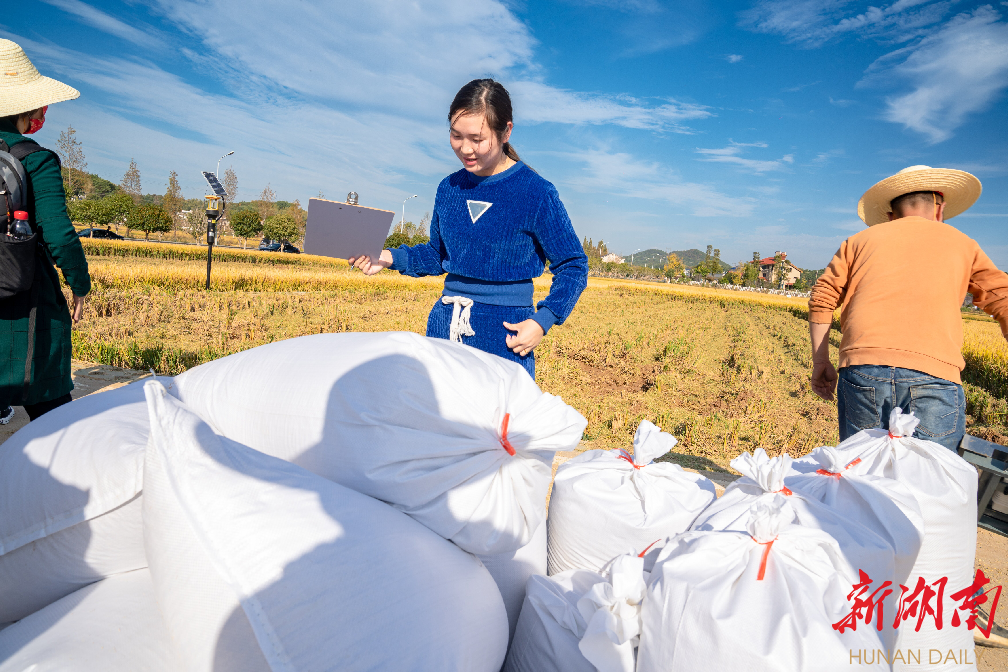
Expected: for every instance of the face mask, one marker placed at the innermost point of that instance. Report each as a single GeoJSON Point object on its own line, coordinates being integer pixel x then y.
{"type": "Point", "coordinates": [36, 124]}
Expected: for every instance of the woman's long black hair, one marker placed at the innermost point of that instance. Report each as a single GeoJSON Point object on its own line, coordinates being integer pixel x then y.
{"type": "Point", "coordinates": [489, 98]}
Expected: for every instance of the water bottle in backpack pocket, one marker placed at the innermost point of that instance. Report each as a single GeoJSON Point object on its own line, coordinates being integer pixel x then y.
{"type": "Point", "coordinates": [18, 242]}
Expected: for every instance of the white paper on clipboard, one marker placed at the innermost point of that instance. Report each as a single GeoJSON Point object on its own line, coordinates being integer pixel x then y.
{"type": "Point", "coordinates": [343, 230]}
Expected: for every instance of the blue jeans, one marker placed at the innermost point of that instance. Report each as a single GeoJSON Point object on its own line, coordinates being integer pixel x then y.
{"type": "Point", "coordinates": [866, 395]}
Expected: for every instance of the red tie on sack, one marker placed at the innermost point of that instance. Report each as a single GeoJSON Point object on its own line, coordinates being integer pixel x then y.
{"type": "Point", "coordinates": [504, 440]}
{"type": "Point", "coordinates": [623, 455]}
{"type": "Point", "coordinates": [766, 554]}
{"type": "Point", "coordinates": [838, 474]}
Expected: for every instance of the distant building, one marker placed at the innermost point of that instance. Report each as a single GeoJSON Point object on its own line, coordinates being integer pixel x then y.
{"type": "Point", "coordinates": [791, 272]}
{"type": "Point", "coordinates": [612, 258]}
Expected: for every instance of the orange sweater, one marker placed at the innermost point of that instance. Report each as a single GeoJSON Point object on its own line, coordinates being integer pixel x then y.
{"type": "Point", "coordinates": [901, 284]}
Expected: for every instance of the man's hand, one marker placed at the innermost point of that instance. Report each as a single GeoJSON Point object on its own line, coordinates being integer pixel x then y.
{"type": "Point", "coordinates": [78, 308]}
{"type": "Point", "coordinates": [528, 336]}
{"type": "Point", "coordinates": [369, 267]}
{"type": "Point", "coordinates": [824, 379]}
{"type": "Point", "coordinates": [824, 376]}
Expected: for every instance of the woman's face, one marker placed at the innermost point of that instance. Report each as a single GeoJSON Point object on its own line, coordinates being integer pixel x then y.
{"type": "Point", "coordinates": [24, 121]}
{"type": "Point", "coordinates": [476, 146]}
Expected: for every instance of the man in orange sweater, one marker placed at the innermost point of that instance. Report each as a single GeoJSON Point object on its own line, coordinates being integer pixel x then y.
{"type": "Point", "coordinates": [901, 283]}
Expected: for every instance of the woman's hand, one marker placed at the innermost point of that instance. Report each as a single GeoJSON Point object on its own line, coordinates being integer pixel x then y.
{"type": "Point", "coordinates": [528, 336]}
{"type": "Point", "coordinates": [365, 264]}
{"type": "Point", "coordinates": [78, 308]}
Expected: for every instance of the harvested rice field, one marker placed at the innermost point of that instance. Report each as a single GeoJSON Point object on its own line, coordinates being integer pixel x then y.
{"type": "Point", "coordinates": [723, 371]}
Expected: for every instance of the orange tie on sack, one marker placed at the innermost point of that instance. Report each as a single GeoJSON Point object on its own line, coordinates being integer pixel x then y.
{"type": "Point", "coordinates": [766, 554]}
{"type": "Point", "coordinates": [642, 553]}
{"type": "Point", "coordinates": [504, 440]}
{"type": "Point", "coordinates": [837, 474]}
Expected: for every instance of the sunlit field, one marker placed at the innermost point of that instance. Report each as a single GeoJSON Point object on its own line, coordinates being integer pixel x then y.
{"type": "Point", "coordinates": [723, 371]}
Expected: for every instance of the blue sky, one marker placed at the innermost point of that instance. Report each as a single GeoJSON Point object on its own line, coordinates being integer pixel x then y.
{"type": "Point", "coordinates": [751, 126]}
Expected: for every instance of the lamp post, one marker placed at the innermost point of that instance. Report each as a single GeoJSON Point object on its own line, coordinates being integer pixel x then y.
{"type": "Point", "coordinates": [401, 221]}
{"type": "Point", "coordinates": [219, 160]}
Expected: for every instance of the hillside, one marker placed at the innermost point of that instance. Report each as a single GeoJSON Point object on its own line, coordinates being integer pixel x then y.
{"type": "Point", "coordinates": [656, 258]}
{"type": "Point", "coordinates": [692, 258]}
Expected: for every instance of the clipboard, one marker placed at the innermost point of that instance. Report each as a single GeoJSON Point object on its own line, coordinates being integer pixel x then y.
{"type": "Point", "coordinates": [342, 230]}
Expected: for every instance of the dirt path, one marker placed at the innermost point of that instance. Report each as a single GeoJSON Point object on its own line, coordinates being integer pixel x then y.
{"type": "Point", "coordinates": [87, 378]}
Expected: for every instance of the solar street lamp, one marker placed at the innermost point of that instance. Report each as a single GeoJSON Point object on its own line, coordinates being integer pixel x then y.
{"type": "Point", "coordinates": [214, 209]}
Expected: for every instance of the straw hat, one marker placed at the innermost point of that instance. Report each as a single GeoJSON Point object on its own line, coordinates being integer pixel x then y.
{"type": "Point", "coordinates": [960, 189]}
{"type": "Point", "coordinates": [22, 88]}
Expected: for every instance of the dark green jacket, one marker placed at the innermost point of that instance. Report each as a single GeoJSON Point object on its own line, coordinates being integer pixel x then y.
{"type": "Point", "coordinates": [50, 377]}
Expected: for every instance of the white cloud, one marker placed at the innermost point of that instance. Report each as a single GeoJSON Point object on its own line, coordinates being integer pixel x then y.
{"type": "Point", "coordinates": [814, 22]}
{"type": "Point", "coordinates": [297, 146]}
{"type": "Point", "coordinates": [407, 57]}
{"type": "Point", "coordinates": [106, 23]}
{"type": "Point", "coordinates": [796, 89]}
{"type": "Point", "coordinates": [649, 26]}
{"type": "Point", "coordinates": [840, 102]}
{"type": "Point", "coordinates": [960, 69]}
{"type": "Point", "coordinates": [535, 102]}
{"type": "Point", "coordinates": [321, 100]}
{"type": "Point", "coordinates": [733, 58]}
{"type": "Point", "coordinates": [732, 154]}
{"type": "Point", "coordinates": [404, 59]}
{"type": "Point", "coordinates": [953, 66]}
{"type": "Point", "coordinates": [623, 175]}
{"type": "Point", "coordinates": [823, 158]}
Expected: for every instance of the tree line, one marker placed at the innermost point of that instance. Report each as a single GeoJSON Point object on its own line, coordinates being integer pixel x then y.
{"type": "Point", "coordinates": [95, 201]}
{"type": "Point", "coordinates": [746, 274]}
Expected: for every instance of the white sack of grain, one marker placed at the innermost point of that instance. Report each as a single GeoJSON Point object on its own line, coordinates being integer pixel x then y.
{"type": "Point", "coordinates": [581, 621]}
{"type": "Point", "coordinates": [113, 626]}
{"type": "Point", "coordinates": [883, 505]}
{"type": "Point", "coordinates": [69, 507]}
{"type": "Point", "coordinates": [260, 563]}
{"type": "Point", "coordinates": [424, 424]}
{"type": "Point", "coordinates": [761, 600]}
{"type": "Point", "coordinates": [945, 487]}
{"type": "Point", "coordinates": [512, 571]}
{"type": "Point", "coordinates": [606, 503]}
{"type": "Point", "coordinates": [763, 481]}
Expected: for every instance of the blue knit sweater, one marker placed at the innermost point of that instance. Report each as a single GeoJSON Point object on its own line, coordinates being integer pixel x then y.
{"type": "Point", "coordinates": [492, 235]}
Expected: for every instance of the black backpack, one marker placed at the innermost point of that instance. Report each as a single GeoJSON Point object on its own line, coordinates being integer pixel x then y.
{"type": "Point", "coordinates": [18, 259]}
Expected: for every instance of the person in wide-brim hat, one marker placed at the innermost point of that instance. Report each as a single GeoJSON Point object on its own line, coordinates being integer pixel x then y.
{"type": "Point", "coordinates": [958, 190]}
{"type": "Point", "coordinates": [22, 88]}
{"type": "Point", "coordinates": [25, 95]}
{"type": "Point", "coordinates": [901, 283]}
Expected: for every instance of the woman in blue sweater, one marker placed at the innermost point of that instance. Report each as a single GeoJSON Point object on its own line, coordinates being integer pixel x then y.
{"type": "Point", "coordinates": [496, 223]}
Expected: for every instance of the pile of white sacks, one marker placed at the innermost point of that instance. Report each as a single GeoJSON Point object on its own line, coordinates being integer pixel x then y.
{"type": "Point", "coordinates": [377, 501]}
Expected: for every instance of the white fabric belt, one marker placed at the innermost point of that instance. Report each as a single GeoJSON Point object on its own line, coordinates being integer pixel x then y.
{"type": "Point", "coordinates": [461, 310]}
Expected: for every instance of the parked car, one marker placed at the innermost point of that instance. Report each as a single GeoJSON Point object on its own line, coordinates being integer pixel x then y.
{"type": "Point", "coordinates": [268, 245]}
{"type": "Point", "coordinates": [99, 233]}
